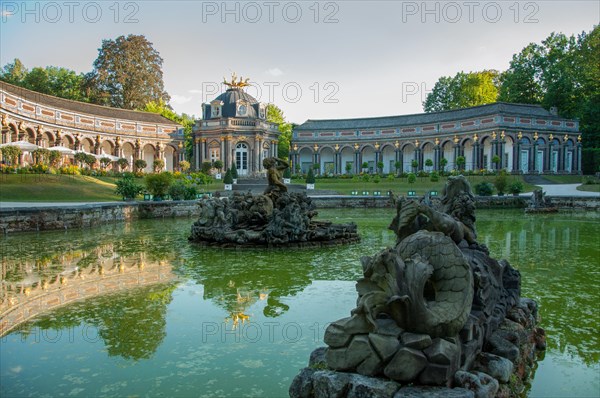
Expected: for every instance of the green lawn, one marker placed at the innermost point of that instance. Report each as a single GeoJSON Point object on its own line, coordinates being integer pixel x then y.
{"type": "Point", "coordinates": [564, 179]}
{"type": "Point", "coordinates": [56, 188]}
{"type": "Point", "coordinates": [398, 185]}
{"type": "Point", "coordinates": [64, 188]}
{"type": "Point", "coordinates": [589, 187]}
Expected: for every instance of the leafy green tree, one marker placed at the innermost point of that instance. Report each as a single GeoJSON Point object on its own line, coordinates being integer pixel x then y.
{"type": "Point", "coordinates": [162, 108]}
{"type": "Point", "coordinates": [158, 165]}
{"type": "Point", "coordinates": [90, 160]}
{"type": "Point", "coordinates": [127, 73]}
{"type": "Point", "coordinates": [398, 166]}
{"type": "Point", "coordinates": [429, 163]}
{"type": "Point", "coordinates": [123, 163]}
{"type": "Point", "coordinates": [206, 167]}
{"type": "Point", "coordinates": [218, 164]}
{"type": "Point", "coordinates": [414, 164]}
{"type": "Point", "coordinates": [443, 163]}
{"type": "Point", "coordinates": [14, 73]}
{"type": "Point", "coordinates": [104, 162]}
{"type": "Point", "coordinates": [158, 184]}
{"type": "Point", "coordinates": [140, 165]}
{"type": "Point", "coordinates": [463, 90]}
{"type": "Point", "coordinates": [184, 165]}
{"type": "Point", "coordinates": [460, 162]}
{"type": "Point", "coordinates": [349, 167]}
{"type": "Point", "coordinates": [521, 83]}
{"type": "Point", "coordinates": [275, 115]}
{"type": "Point", "coordinates": [11, 153]}
{"type": "Point", "coordinates": [380, 166]}
{"type": "Point", "coordinates": [127, 187]}
{"type": "Point", "coordinates": [412, 178]}
{"type": "Point", "coordinates": [501, 183]}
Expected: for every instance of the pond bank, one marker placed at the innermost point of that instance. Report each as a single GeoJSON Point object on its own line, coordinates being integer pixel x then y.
{"type": "Point", "coordinates": [46, 217]}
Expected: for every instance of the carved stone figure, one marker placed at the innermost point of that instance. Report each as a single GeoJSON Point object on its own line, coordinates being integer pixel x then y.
{"type": "Point", "coordinates": [276, 218]}
{"type": "Point", "coordinates": [275, 168]}
{"type": "Point", "coordinates": [434, 310]}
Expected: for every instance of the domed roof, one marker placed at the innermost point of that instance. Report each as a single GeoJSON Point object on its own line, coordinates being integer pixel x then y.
{"type": "Point", "coordinates": [230, 100]}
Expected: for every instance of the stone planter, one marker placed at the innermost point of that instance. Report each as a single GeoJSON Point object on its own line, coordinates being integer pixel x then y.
{"type": "Point", "coordinates": [228, 187]}
{"type": "Point", "coordinates": [287, 180]}
{"type": "Point", "coordinates": [218, 176]}
{"type": "Point", "coordinates": [310, 186]}
{"type": "Point", "coordinates": [235, 180]}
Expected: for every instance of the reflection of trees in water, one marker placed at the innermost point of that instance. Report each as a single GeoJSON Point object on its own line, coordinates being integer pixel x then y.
{"type": "Point", "coordinates": [557, 256]}
{"type": "Point", "coordinates": [132, 324]}
{"type": "Point", "coordinates": [235, 280]}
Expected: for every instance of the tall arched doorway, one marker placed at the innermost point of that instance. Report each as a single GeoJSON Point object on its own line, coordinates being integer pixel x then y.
{"type": "Point", "coordinates": [241, 158]}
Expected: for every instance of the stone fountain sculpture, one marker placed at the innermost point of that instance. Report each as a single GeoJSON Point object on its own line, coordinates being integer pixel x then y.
{"type": "Point", "coordinates": [435, 315]}
{"type": "Point", "coordinates": [275, 218]}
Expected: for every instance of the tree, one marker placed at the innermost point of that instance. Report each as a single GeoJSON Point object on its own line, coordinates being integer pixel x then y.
{"type": "Point", "coordinates": [123, 163]}
{"type": "Point", "coordinates": [140, 165]}
{"type": "Point", "coordinates": [160, 107]}
{"type": "Point", "coordinates": [79, 157]}
{"type": "Point", "coordinates": [206, 167]}
{"type": "Point", "coordinates": [104, 162]}
{"type": "Point", "coordinates": [348, 167]}
{"type": "Point", "coordinates": [184, 165]}
{"type": "Point", "coordinates": [11, 153]}
{"type": "Point", "coordinates": [460, 162]}
{"type": "Point", "coordinates": [443, 163]}
{"type": "Point", "coordinates": [14, 73]}
{"type": "Point", "coordinates": [51, 80]}
{"type": "Point", "coordinates": [158, 165]}
{"type": "Point", "coordinates": [414, 164]}
{"type": "Point", "coordinates": [275, 115]}
{"type": "Point", "coordinates": [380, 166]}
{"type": "Point", "coordinates": [127, 187]}
{"type": "Point", "coordinates": [463, 90]}
{"type": "Point", "coordinates": [521, 83]}
{"type": "Point", "coordinates": [501, 183]}
{"type": "Point", "coordinates": [218, 164]}
{"type": "Point", "coordinates": [89, 160]}
{"type": "Point", "coordinates": [127, 73]}
{"type": "Point", "coordinates": [158, 184]}
{"type": "Point", "coordinates": [496, 161]}
{"type": "Point", "coordinates": [429, 163]}
{"type": "Point", "coordinates": [398, 166]}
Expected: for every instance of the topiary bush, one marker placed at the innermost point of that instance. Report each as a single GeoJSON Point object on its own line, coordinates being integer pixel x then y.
{"type": "Point", "coordinates": [228, 177]}
{"type": "Point", "coordinates": [177, 190]}
{"type": "Point", "coordinates": [158, 184]}
{"type": "Point", "coordinates": [484, 189]}
{"type": "Point", "coordinates": [310, 177]}
{"type": "Point", "coordinates": [127, 187]}
{"type": "Point", "coordinates": [516, 187]}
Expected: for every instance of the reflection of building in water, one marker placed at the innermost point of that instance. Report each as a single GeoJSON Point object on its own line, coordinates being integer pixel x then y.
{"type": "Point", "coordinates": [29, 288]}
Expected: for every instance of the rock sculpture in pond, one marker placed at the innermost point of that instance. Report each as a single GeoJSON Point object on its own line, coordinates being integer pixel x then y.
{"type": "Point", "coordinates": [275, 218]}
{"type": "Point", "coordinates": [436, 310]}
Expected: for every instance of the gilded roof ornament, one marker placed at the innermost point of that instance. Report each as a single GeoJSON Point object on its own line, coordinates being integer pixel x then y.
{"type": "Point", "coordinates": [236, 84]}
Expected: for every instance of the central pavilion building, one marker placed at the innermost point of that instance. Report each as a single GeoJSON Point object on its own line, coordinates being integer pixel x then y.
{"type": "Point", "coordinates": [521, 138]}
{"type": "Point", "coordinates": [234, 128]}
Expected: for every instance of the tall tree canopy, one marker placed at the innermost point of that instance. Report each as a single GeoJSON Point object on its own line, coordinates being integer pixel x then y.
{"type": "Point", "coordinates": [563, 72]}
{"type": "Point", "coordinates": [127, 74]}
{"type": "Point", "coordinates": [463, 90]}
{"type": "Point", "coordinates": [275, 115]}
{"type": "Point", "coordinates": [52, 80]}
{"type": "Point", "coordinates": [162, 108]}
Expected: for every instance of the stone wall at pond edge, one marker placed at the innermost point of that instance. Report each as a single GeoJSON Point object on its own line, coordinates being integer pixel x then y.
{"type": "Point", "coordinates": [45, 218]}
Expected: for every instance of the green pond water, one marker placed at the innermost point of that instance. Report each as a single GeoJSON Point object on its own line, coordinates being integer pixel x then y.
{"type": "Point", "coordinates": [243, 322]}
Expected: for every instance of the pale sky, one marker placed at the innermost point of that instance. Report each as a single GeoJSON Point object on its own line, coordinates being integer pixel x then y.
{"type": "Point", "coordinates": [315, 60]}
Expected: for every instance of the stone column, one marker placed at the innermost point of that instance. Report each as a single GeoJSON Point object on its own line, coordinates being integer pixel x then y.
{"type": "Point", "coordinates": [534, 163]}
{"type": "Point", "coordinates": [357, 165]}
{"type": "Point", "coordinates": [197, 153]}
{"type": "Point", "coordinates": [436, 158]}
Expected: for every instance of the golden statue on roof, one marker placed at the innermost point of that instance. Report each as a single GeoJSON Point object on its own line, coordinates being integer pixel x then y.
{"type": "Point", "coordinates": [234, 84]}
